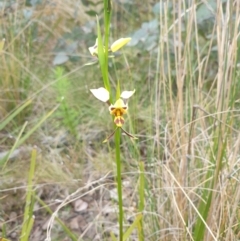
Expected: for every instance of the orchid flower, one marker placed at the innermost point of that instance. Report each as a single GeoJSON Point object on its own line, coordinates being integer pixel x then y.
{"type": "Point", "coordinates": [114, 47]}
{"type": "Point", "coordinates": [118, 109]}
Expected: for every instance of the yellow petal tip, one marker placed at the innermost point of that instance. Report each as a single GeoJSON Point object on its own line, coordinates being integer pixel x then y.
{"type": "Point", "coordinates": [119, 44]}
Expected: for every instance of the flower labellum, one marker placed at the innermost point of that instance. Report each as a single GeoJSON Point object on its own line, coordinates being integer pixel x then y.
{"type": "Point", "coordinates": [118, 109]}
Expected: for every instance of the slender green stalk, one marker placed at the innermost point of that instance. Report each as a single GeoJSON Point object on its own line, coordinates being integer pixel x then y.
{"type": "Point", "coordinates": [141, 203]}
{"type": "Point", "coordinates": [135, 224]}
{"type": "Point", "coordinates": [28, 218]}
{"type": "Point", "coordinates": [102, 53]}
{"type": "Point", "coordinates": [119, 182]}
{"type": "Point", "coordinates": [107, 16]}
{"type": "Point", "coordinates": [5, 159]}
{"type": "Point", "coordinates": [14, 114]}
{"type": "Point", "coordinates": [21, 140]}
{"type": "Point", "coordinates": [67, 114]}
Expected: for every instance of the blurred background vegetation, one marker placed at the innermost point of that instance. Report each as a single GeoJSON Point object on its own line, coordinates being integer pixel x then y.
{"type": "Point", "coordinates": [183, 61]}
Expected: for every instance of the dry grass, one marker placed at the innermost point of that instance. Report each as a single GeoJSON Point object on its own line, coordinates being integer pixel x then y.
{"type": "Point", "coordinates": [185, 114]}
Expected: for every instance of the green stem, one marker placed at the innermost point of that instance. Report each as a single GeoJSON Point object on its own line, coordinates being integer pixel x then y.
{"type": "Point", "coordinates": [107, 16]}
{"type": "Point", "coordinates": [119, 183]}
{"type": "Point", "coordinates": [141, 200]}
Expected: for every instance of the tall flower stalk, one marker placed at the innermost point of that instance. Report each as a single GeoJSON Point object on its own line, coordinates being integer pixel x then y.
{"type": "Point", "coordinates": [117, 108]}
{"type": "Point", "coordinates": [119, 183]}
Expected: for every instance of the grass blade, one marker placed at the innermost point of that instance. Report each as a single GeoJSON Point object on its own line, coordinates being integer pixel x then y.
{"type": "Point", "coordinates": [15, 113]}
{"type": "Point", "coordinates": [28, 217]}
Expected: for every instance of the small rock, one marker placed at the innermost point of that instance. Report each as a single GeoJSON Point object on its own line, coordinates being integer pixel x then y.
{"type": "Point", "coordinates": [74, 223]}
{"type": "Point", "coordinates": [80, 205]}
{"type": "Point", "coordinates": [13, 235]}
{"type": "Point", "coordinates": [13, 216]}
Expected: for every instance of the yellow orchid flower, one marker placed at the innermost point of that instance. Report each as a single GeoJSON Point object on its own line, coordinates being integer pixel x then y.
{"type": "Point", "coordinates": [118, 109]}
{"type": "Point", "coordinates": [114, 47]}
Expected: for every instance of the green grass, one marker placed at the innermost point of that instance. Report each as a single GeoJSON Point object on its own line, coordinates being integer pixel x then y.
{"type": "Point", "coordinates": [179, 179]}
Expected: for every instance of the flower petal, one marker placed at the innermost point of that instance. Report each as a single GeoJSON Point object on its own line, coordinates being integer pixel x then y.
{"type": "Point", "coordinates": [119, 44]}
{"type": "Point", "coordinates": [94, 49]}
{"type": "Point", "coordinates": [118, 104]}
{"type": "Point", "coordinates": [107, 139]}
{"type": "Point", "coordinates": [127, 94]}
{"type": "Point", "coordinates": [128, 134]}
{"type": "Point", "coordinates": [101, 93]}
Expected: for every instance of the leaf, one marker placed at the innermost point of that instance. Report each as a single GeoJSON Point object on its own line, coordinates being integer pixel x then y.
{"type": "Point", "coordinates": [131, 228]}
{"type": "Point", "coordinates": [207, 10]}
{"type": "Point", "coordinates": [91, 63]}
{"type": "Point", "coordinates": [91, 13]}
{"type": "Point", "coordinates": [27, 13]}
{"type": "Point", "coordinates": [60, 58]}
{"type": "Point", "coordinates": [147, 30]}
{"type": "Point", "coordinates": [13, 114]}
{"type": "Point", "coordinates": [158, 8]}
{"type": "Point", "coordinates": [139, 35]}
